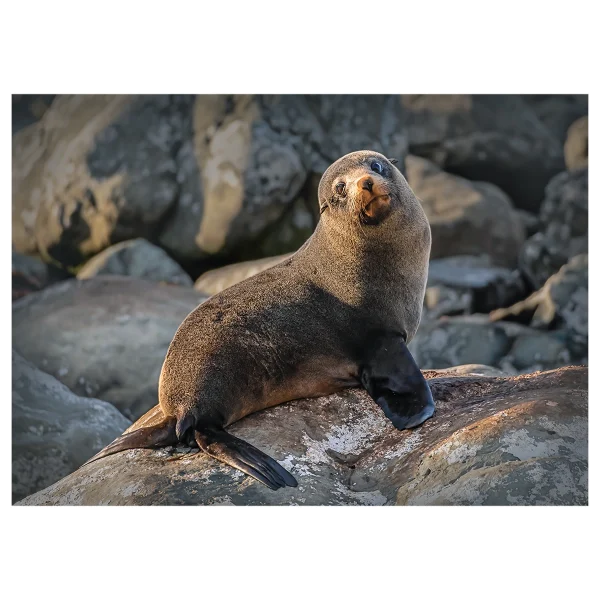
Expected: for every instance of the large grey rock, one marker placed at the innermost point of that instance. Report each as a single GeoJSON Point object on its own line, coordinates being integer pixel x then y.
{"type": "Point", "coordinates": [493, 440]}
{"type": "Point", "coordinates": [558, 111]}
{"type": "Point", "coordinates": [256, 153]}
{"type": "Point", "coordinates": [93, 171]}
{"type": "Point", "coordinates": [487, 286]}
{"type": "Point", "coordinates": [104, 337]}
{"type": "Point", "coordinates": [216, 280]}
{"type": "Point", "coordinates": [561, 303]}
{"type": "Point", "coordinates": [28, 108]}
{"type": "Point", "coordinates": [515, 348]}
{"type": "Point", "coordinates": [53, 431]}
{"type": "Point", "coordinates": [29, 274]}
{"type": "Point", "coordinates": [564, 234]}
{"type": "Point", "coordinates": [452, 341]}
{"type": "Point", "coordinates": [466, 217]}
{"type": "Point", "coordinates": [136, 258]}
{"type": "Point", "coordinates": [495, 138]}
{"type": "Point", "coordinates": [204, 175]}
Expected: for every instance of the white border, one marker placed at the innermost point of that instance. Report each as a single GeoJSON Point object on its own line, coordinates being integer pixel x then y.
{"type": "Point", "coordinates": [342, 508]}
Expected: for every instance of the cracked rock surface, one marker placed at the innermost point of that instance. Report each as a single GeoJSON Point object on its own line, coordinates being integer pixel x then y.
{"type": "Point", "coordinates": [494, 440]}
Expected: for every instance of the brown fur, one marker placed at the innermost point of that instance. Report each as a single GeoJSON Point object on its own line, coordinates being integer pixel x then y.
{"type": "Point", "coordinates": [302, 327]}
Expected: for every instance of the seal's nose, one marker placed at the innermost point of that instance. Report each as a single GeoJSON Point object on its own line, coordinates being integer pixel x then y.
{"type": "Point", "coordinates": [365, 183]}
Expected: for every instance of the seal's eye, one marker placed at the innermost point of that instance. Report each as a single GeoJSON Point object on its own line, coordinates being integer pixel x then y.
{"type": "Point", "coordinates": [340, 187]}
{"type": "Point", "coordinates": [377, 167]}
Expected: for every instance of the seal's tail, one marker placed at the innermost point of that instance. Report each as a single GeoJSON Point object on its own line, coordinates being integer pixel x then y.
{"type": "Point", "coordinates": [156, 436]}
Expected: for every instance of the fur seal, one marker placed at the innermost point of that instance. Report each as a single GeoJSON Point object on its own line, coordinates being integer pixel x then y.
{"type": "Point", "coordinates": [337, 314]}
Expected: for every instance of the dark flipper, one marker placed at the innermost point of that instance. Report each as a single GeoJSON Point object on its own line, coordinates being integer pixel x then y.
{"type": "Point", "coordinates": [162, 434]}
{"type": "Point", "coordinates": [225, 447]}
{"type": "Point", "coordinates": [393, 379]}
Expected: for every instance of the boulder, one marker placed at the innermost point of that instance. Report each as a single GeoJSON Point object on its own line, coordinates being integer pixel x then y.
{"type": "Point", "coordinates": [466, 217]}
{"type": "Point", "coordinates": [576, 145]}
{"type": "Point", "coordinates": [136, 258]}
{"type": "Point", "coordinates": [205, 176]}
{"type": "Point", "coordinates": [495, 138]}
{"type": "Point", "coordinates": [493, 441]}
{"type": "Point", "coordinates": [561, 303]}
{"type": "Point", "coordinates": [564, 234]}
{"type": "Point", "coordinates": [28, 108]}
{"type": "Point", "coordinates": [558, 111]}
{"type": "Point", "coordinates": [31, 274]}
{"type": "Point", "coordinates": [104, 337]}
{"type": "Point", "coordinates": [53, 431]}
{"type": "Point", "coordinates": [475, 277]}
{"type": "Point", "coordinates": [513, 347]}
{"type": "Point", "coordinates": [452, 341]}
{"type": "Point", "coordinates": [216, 280]}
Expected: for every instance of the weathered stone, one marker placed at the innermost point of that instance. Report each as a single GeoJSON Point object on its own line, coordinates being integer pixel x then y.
{"type": "Point", "coordinates": [558, 111]}
{"type": "Point", "coordinates": [28, 108]}
{"type": "Point", "coordinates": [564, 234]}
{"type": "Point", "coordinates": [475, 277]}
{"type": "Point", "coordinates": [576, 145]}
{"type": "Point", "coordinates": [530, 221]}
{"type": "Point", "coordinates": [452, 341]}
{"type": "Point", "coordinates": [29, 274]}
{"type": "Point", "coordinates": [562, 302]}
{"type": "Point", "coordinates": [136, 258]}
{"type": "Point", "coordinates": [95, 170]}
{"type": "Point", "coordinates": [494, 138]}
{"type": "Point", "coordinates": [104, 337]}
{"type": "Point", "coordinates": [216, 280]}
{"type": "Point", "coordinates": [493, 440]}
{"type": "Point", "coordinates": [53, 431]}
{"type": "Point", "coordinates": [466, 217]}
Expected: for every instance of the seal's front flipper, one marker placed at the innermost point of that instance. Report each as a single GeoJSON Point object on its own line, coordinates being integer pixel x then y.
{"type": "Point", "coordinates": [393, 379]}
{"type": "Point", "coordinates": [241, 455]}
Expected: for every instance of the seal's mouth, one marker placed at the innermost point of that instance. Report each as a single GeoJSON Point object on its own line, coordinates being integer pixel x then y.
{"type": "Point", "coordinates": [376, 210]}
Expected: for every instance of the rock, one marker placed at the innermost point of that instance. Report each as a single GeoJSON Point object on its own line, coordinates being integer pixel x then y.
{"type": "Point", "coordinates": [28, 108]}
{"type": "Point", "coordinates": [530, 221]}
{"type": "Point", "coordinates": [29, 274]}
{"type": "Point", "coordinates": [255, 155]}
{"type": "Point", "coordinates": [104, 337]}
{"type": "Point", "coordinates": [216, 280]}
{"type": "Point", "coordinates": [557, 112]}
{"type": "Point", "coordinates": [513, 347]}
{"type": "Point", "coordinates": [564, 234]}
{"type": "Point", "coordinates": [494, 138]}
{"type": "Point", "coordinates": [576, 145]}
{"type": "Point", "coordinates": [466, 217]}
{"type": "Point", "coordinates": [562, 303]}
{"type": "Point", "coordinates": [53, 431]}
{"type": "Point", "coordinates": [205, 176]}
{"type": "Point", "coordinates": [136, 258]}
{"type": "Point", "coordinates": [493, 440]}
{"type": "Point", "coordinates": [93, 171]}
{"type": "Point", "coordinates": [452, 341]}
{"type": "Point", "coordinates": [290, 232]}
{"type": "Point", "coordinates": [539, 351]}
{"type": "Point", "coordinates": [480, 285]}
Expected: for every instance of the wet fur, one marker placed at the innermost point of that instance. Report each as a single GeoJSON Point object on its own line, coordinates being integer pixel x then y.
{"type": "Point", "coordinates": [336, 314]}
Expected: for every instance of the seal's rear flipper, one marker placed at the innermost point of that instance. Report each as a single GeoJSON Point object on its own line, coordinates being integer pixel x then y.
{"type": "Point", "coordinates": [162, 434]}
{"type": "Point", "coordinates": [240, 454]}
{"type": "Point", "coordinates": [393, 379]}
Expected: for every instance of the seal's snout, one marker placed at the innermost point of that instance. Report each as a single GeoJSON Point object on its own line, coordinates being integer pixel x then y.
{"type": "Point", "coordinates": [373, 198]}
{"type": "Point", "coordinates": [365, 183]}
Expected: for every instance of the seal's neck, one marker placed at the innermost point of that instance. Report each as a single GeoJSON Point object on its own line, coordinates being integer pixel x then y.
{"type": "Point", "coordinates": [354, 265]}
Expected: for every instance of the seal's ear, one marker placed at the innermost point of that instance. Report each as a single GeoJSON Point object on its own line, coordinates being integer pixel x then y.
{"type": "Point", "coordinates": [393, 160]}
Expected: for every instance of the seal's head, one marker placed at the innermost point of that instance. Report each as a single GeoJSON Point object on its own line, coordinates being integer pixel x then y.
{"type": "Point", "coordinates": [365, 188]}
